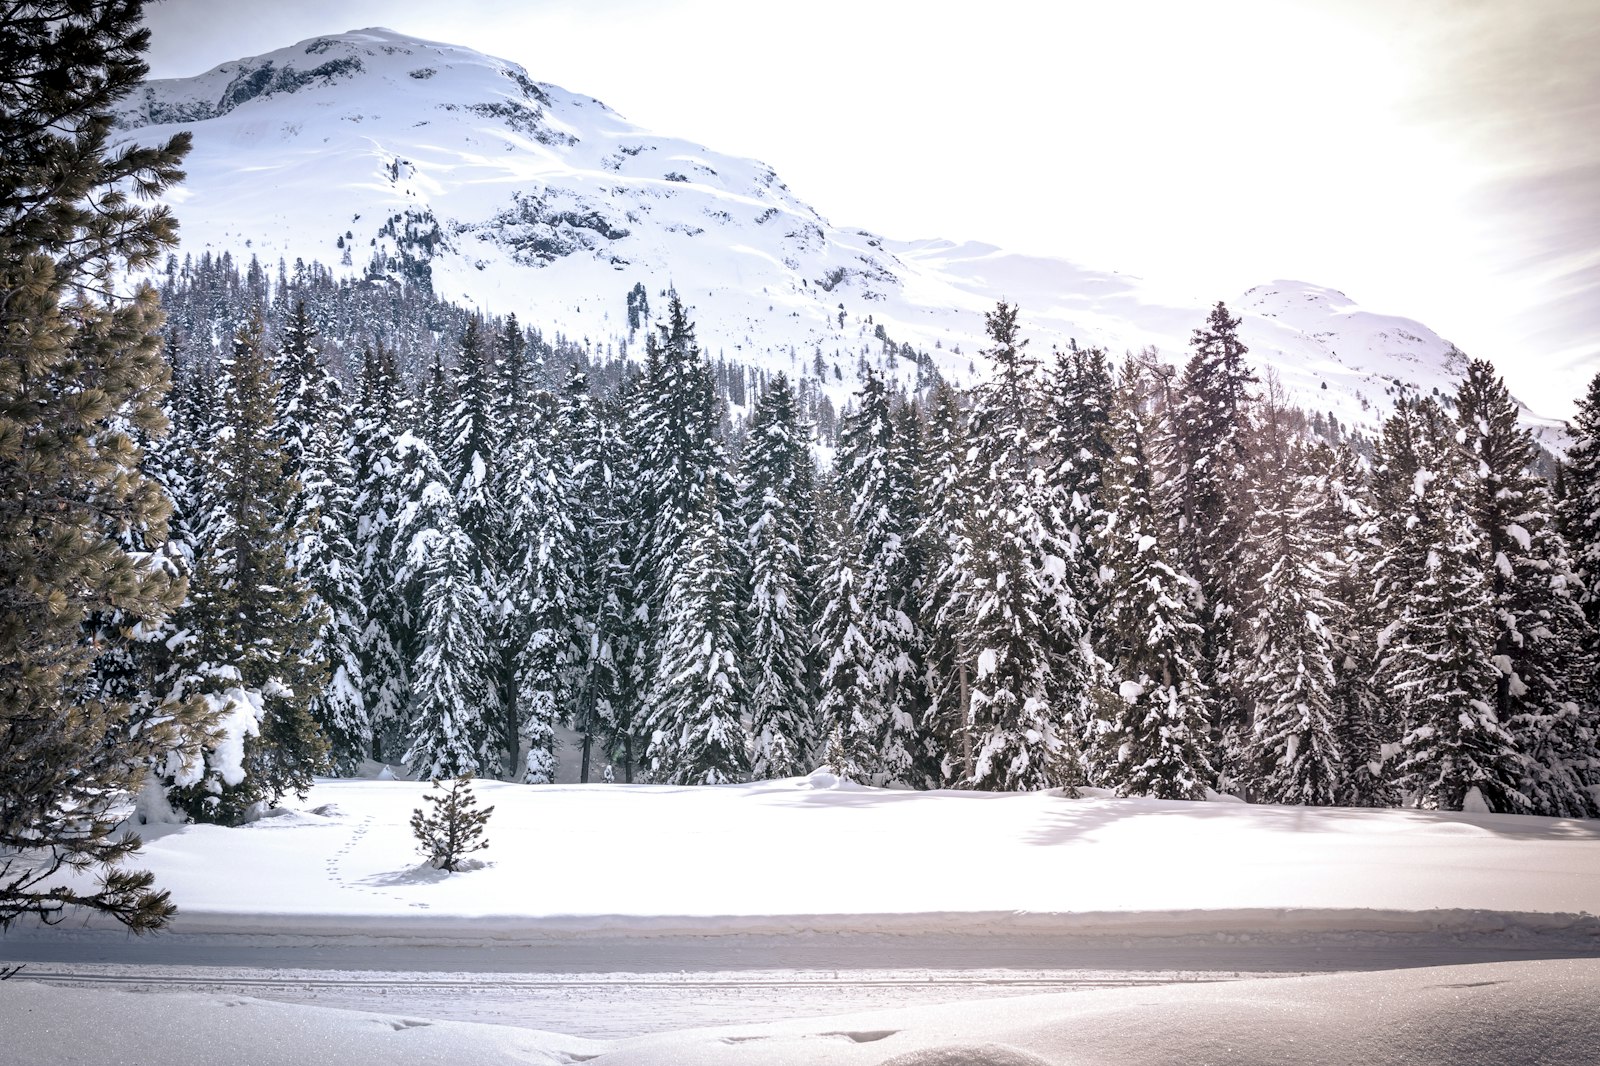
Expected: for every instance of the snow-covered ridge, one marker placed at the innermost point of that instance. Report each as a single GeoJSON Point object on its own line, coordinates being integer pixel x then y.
{"type": "Point", "coordinates": [513, 195]}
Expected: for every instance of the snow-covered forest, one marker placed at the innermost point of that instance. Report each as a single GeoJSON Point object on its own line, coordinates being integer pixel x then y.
{"type": "Point", "coordinates": [419, 536]}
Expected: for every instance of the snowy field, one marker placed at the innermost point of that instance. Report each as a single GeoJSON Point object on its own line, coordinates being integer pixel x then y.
{"type": "Point", "coordinates": [611, 911]}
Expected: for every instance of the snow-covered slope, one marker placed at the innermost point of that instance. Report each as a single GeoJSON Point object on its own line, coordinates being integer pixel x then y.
{"type": "Point", "coordinates": [518, 196]}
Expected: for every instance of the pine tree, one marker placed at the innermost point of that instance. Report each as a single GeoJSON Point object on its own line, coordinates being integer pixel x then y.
{"type": "Point", "coordinates": [1580, 505]}
{"type": "Point", "coordinates": [1343, 519]}
{"type": "Point", "coordinates": [949, 595]}
{"type": "Point", "coordinates": [312, 422]}
{"type": "Point", "coordinates": [470, 453]}
{"type": "Point", "coordinates": [589, 463]}
{"type": "Point", "coordinates": [699, 697]}
{"type": "Point", "coordinates": [1210, 431]}
{"type": "Point", "coordinates": [1033, 665]}
{"type": "Point", "coordinates": [540, 623]}
{"type": "Point", "coordinates": [1437, 653]}
{"type": "Point", "coordinates": [454, 829]}
{"type": "Point", "coordinates": [865, 636]}
{"type": "Point", "coordinates": [374, 457]}
{"type": "Point", "coordinates": [79, 373]}
{"type": "Point", "coordinates": [777, 511]}
{"type": "Point", "coordinates": [1292, 755]}
{"type": "Point", "coordinates": [1148, 739]}
{"type": "Point", "coordinates": [1541, 631]}
{"type": "Point", "coordinates": [454, 729]}
{"type": "Point", "coordinates": [679, 466]}
{"type": "Point", "coordinates": [255, 631]}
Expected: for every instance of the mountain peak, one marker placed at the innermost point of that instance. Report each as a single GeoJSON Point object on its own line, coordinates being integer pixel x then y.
{"type": "Point", "coordinates": [381, 154]}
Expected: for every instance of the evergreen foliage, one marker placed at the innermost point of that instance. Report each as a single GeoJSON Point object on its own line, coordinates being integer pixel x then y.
{"type": "Point", "coordinates": [454, 828]}
{"type": "Point", "coordinates": [256, 628]}
{"type": "Point", "coordinates": [1033, 665]}
{"type": "Point", "coordinates": [1210, 427]}
{"type": "Point", "coordinates": [1148, 740]}
{"type": "Point", "coordinates": [81, 375]}
{"type": "Point", "coordinates": [867, 640]}
{"type": "Point", "coordinates": [777, 513]}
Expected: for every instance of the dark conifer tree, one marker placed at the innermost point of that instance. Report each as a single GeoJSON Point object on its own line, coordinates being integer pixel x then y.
{"type": "Point", "coordinates": [78, 375]}
{"type": "Point", "coordinates": [1211, 421]}
{"type": "Point", "coordinates": [949, 595]}
{"type": "Point", "coordinates": [776, 513]}
{"type": "Point", "coordinates": [699, 699]}
{"type": "Point", "coordinates": [1436, 659]}
{"type": "Point", "coordinates": [866, 640]}
{"type": "Point", "coordinates": [1148, 736]}
{"type": "Point", "coordinates": [313, 423]}
{"type": "Point", "coordinates": [385, 686]}
{"type": "Point", "coordinates": [1541, 632]}
{"type": "Point", "coordinates": [256, 634]}
{"type": "Point", "coordinates": [1033, 672]}
{"type": "Point", "coordinates": [1580, 502]}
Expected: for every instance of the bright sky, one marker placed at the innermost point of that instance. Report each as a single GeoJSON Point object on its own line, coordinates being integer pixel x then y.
{"type": "Point", "coordinates": [1435, 158]}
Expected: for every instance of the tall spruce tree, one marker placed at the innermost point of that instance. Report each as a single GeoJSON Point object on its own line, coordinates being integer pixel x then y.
{"type": "Point", "coordinates": [680, 466]}
{"type": "Point", "coordinates": [1211, 421]}
{"type": "Point", "coordinates": [453, 726]}
{"type": "Point", "coordinates": [776, 513]}
{"type": "Point", "coordinates": [590, 458]}
{"type": "Point", "coordinates": [1437, 651]}
{"type": "Point", "coordinates": [866, 638]}
{"type": "Point", "coordinates": [385, 686]}
{"type": "Point", "coordinates": [1147, 738]}
{"type": "Point", "coordinates": [256, 632]}
{"type": "Point", "coordinates": [949, 595]}
{"type": "Point", "coordinates": [80, 372]}
{"type": "Point", "coordinates": [698, 697]}
{"type": "Point", "coordinates": [1580, 503]}
{"type": "Point", "coordinates": [1030, 688]}
{"type": "Point", "coordinates": [313, 423]}
{"type": "Point", "coordinates": [1292, 754]}
{"type": "Point", "coordinates": [1541, 633]}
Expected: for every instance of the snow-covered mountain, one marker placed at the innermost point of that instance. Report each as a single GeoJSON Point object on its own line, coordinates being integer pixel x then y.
{"type": "Point", "coordinates": [377, 151]}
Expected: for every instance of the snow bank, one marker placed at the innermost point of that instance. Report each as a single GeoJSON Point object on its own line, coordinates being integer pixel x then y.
{"type": "Point", "coordinates": [1465, 1015]}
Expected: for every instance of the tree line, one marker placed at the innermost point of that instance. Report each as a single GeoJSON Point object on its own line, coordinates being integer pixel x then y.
{"type": "Point", "coordinates": [1074, 573]}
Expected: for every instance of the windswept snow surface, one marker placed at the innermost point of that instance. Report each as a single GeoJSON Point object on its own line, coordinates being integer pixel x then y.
{"type": "Point", "coordinates": [1502, 1014]}
{"type": "Point", "coordinates": [785, 856]}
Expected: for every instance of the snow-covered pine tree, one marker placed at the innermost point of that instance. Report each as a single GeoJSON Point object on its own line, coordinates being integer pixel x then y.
{"type": "Point", "coordinates": [1210, 426]}
{"type": "Point", "coordinates": [69, 478]}
{"type": "Point", "coordinates": [949, 595]}
{"type": "Point", "coordinates": [313, 423]}
{"type": "Point", "coordinates": [1437, 651]}
{"type": "Point", "coordinates": [255, 636]}
{"type": "Point", "coordinates": [454, 727]}
{"type": "Point", "coordinates": [1541, 631]}
{"type": "Point", "coordinates": [1580, 503]}
{"type": "Point", "coordinates": [679, 466]}
{"type": "Point", "coordinates": [776, 513]}
{"type": "Point", "coordinates": [1030, 688]}
{"type": "Point", "coordinates": [590, 454]}
{"type": "Point", "coordinates": [698, 697]}
{"type": "Point", "coordinates": [1341, 512]}
{"type": "Point", "coordinates": [1149, 737]}
{"type": "Point", "coordinates": [866, 639]}
{"type": "Point", "coordinates": [470, 453]}
{"type": "Point", "coordinates": [1292, 755]}
{"type": "Point", "coordinates": [385, 686]}
{"type": "Point", "coordinates": [1078, 447]}
{"type": "Point", "coordinates": [540, 623]}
